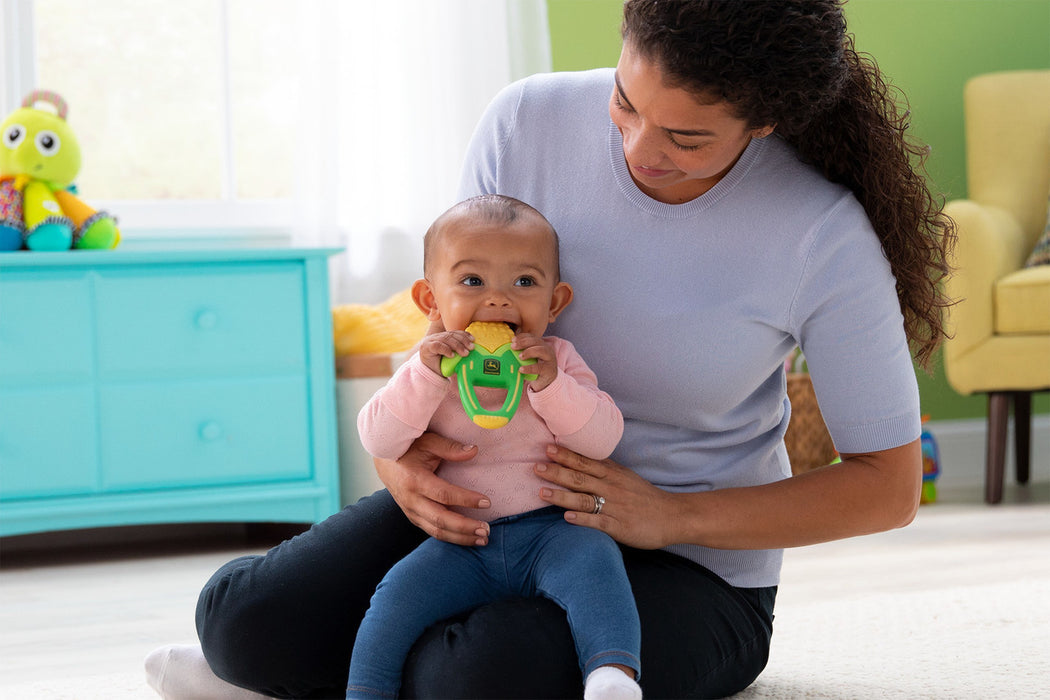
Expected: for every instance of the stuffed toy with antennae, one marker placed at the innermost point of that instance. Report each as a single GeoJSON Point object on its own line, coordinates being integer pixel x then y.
{"type": "Point", "coordinates": [39, 159]}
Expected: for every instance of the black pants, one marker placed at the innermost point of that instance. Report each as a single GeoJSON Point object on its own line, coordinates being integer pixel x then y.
{"type": "Point", "coordinates": [284, 623]}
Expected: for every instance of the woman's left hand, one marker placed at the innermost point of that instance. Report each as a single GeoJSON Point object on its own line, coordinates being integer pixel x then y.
{"type": "Point", "coordinates": [634, 512]}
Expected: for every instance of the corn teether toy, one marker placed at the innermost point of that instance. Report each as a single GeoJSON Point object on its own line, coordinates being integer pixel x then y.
{"type": "Point", "coordinates": [493, 364]}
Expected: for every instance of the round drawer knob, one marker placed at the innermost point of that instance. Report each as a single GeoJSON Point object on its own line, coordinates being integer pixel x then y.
{"type": "Point", "coordinates": [210, 431]}
{"type": "Point", "coordinates": [207, 319]}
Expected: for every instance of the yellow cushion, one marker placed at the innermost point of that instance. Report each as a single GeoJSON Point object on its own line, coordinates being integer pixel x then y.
{"type": "Point", "coordinates": [1022, 302]}
{"type": "Point", "coordinates": [392, 326]}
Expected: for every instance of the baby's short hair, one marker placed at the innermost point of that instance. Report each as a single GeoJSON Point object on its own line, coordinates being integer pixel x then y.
{"type": "Point", "coordinates": [491, 208]}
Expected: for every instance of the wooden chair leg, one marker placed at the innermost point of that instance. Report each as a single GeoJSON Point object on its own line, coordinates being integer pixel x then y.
{"type": "Point", "coordinates": [1023, 434]}
{"type": "Point", "coordinates": [995, 457]}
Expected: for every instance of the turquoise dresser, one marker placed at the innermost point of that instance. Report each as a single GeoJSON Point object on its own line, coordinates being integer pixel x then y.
{"type": "Point", "coordinates": [166, 382]}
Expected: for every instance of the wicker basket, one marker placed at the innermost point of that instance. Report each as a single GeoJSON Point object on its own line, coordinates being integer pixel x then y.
{"type": "Point", "coordinates": [807, 439]}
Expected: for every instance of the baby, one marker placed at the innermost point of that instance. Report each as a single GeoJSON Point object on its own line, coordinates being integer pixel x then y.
{"type": "Point", "coordinates": [495, 259]}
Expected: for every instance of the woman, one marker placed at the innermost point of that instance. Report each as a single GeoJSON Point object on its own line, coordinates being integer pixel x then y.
{"type": "Point", "coordinates": [739, 184]}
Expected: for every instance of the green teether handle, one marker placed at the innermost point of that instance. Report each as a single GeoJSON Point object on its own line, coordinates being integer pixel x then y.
{"type": "Point", "coordinates": [500, 369]}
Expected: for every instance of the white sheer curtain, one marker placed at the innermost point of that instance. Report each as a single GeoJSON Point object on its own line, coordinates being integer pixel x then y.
{"type": "Point", "coordinates": [399, 88]}
{"type": "Point", "coordinates": [344, 121]}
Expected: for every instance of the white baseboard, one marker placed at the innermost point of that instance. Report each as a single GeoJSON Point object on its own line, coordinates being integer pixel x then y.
{"type": "Point", "coordinates": [962, 444]}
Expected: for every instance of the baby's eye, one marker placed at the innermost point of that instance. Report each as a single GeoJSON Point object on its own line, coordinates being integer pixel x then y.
{"type": "Point", "coordinates": [525, 281]}
{"type": "Point", "coordinates": [471, 281]}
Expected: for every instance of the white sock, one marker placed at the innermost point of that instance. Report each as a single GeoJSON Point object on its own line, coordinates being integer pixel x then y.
{"type": "Point", "coordinates": [180, 672]}
{"type": "Point", "coordinates": [610, 683]}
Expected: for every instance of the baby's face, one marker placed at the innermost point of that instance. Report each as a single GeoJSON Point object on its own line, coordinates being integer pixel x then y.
{"type": "Point", "coordinates": [484, 271]}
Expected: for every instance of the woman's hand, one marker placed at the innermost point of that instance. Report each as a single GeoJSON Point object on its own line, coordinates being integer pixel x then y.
{"type": "Point", "coordinates": [425, 498]}
{"type": "Point", "coordinates": [634, 513]}
{"type": "Point", "coordinates": [863, 494]}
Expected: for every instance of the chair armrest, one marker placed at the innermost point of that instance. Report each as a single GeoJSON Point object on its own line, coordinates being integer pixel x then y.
{"type": "Point", "coordinates": [990, 245]}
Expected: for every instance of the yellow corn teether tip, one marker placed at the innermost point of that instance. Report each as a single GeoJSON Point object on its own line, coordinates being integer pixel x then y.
{"type": "Point", "coordinates": [492, 363]}
{"type": "Point", "coordinates": [490, 335]}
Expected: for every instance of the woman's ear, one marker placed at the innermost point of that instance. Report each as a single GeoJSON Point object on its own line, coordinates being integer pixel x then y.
{"type": "Point", "coordinates": [423, 295]}
{"type": "Point", "coordinates": [560, 298]}
{"type": "Point", "coordinates": [763, 132]}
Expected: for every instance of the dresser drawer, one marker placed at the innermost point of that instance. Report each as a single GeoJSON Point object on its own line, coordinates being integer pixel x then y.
{"type": "Point", "coordinates": [211, 318]}
{"type": "Point", "coordinates": [45, 327]}
{"type": "Point", "coordinates": [167, 381]}
{"type": "Point", "coordinates": [48, 444]}
{"type": "Point", "coordinates": [184, 434]}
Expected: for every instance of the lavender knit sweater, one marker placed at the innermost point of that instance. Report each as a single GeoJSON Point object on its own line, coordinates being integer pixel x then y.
{"type": "Point", "coordinates": [686, 312]}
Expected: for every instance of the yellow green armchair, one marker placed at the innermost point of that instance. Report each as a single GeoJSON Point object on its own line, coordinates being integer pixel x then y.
{"type": "Point", "coordinates": [1001, 324]}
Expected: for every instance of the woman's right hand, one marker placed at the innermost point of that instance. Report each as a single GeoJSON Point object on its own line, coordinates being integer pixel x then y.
{"type": "Point", "coordinates": [426, 498]}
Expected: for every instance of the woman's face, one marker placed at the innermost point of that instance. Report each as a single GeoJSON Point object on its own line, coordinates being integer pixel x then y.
{"type": "Point", "coordinates": [676, 146]}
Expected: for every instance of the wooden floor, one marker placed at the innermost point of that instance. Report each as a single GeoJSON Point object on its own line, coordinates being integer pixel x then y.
{"type": "Point", "coordinates": [94, 603]}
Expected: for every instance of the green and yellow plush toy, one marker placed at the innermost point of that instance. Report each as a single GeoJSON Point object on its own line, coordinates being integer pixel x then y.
{"type": "Point", "coordinates": [39, 159]}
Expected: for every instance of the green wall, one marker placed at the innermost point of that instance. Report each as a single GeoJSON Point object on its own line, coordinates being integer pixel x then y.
{"type": "Point", "coordinates": [928, 48]}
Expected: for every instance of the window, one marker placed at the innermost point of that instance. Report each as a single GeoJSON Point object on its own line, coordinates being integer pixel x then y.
{"type": "Point", "coordinates": [339, 122]}
{"type": "Point", "coordinates": [173, 103]}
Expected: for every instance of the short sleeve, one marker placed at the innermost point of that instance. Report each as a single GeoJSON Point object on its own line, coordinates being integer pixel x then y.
{"type": "Point", "coordinates": [847, 318]}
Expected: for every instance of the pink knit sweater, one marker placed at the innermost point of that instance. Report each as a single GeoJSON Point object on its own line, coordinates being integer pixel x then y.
{"type": "Point", "coordinates": [572, 412]}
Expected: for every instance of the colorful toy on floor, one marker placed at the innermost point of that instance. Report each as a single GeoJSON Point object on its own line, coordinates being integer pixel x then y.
{"type": "Point", "coordinates": [931, 466]}
{"type": "Point", "coordinates": [39, 159]}
{"type": "Point", "coordinates": [492, 363]}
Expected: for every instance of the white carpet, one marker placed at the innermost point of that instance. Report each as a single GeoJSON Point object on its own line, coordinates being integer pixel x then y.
{"type": "Point", "coordinates": [955, 606]}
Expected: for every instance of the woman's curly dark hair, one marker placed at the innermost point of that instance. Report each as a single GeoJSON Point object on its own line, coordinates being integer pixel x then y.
{"type": "Point", "coordinates": [790, 63]}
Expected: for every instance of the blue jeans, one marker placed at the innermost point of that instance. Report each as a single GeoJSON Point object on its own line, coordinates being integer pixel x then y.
{"type": "Point", "coordinates": [528, 555]}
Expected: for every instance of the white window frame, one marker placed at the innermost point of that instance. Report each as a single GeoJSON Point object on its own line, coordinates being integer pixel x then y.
{"type": "Point", "coordinates": [18, 58]}
{"type": "Point", "coordinates": [141, 217]}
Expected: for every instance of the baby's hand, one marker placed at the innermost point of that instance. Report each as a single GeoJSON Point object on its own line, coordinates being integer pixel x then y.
{"type": "Point", "coordinates": [444, 344]}
{"type": "Point", "coordinates": [532, 347]}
